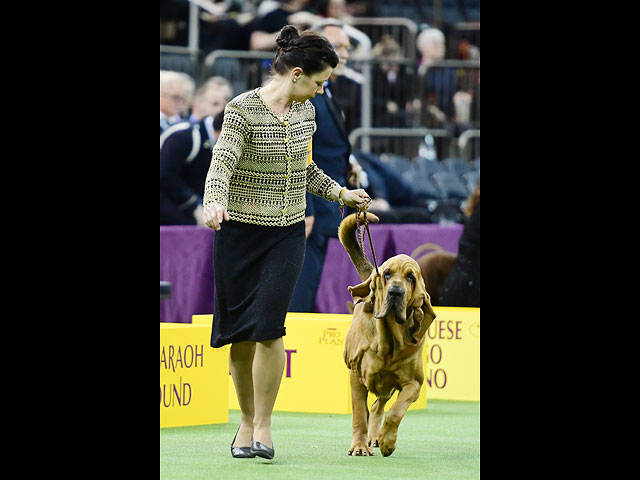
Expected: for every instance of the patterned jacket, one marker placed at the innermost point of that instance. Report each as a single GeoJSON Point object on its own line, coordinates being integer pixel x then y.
{"type": "Point", "coordinates": [261, 164]}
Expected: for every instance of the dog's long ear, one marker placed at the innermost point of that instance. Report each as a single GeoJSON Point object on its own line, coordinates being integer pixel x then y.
{"type": "Point", "coordinates": [423, 314]}
{"type": "Point", "coordinates": [364, 292]}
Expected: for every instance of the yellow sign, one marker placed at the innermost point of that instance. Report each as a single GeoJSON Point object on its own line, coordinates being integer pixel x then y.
{"type": "Point", "coordinates": [193, 377]}
{"type": "Point", "coordinates": [452, 354]}
{"type": "Point", "coordinates": [315, 378]}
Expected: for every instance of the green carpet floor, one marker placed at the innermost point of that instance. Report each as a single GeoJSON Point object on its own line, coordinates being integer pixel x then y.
{"type": "Point", "coordinates": [439, 443]}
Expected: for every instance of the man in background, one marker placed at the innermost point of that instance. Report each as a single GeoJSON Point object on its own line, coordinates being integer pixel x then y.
{"type": "Point", "coordinates": [176, 90]}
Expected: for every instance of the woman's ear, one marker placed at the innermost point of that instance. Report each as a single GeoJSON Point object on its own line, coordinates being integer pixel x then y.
{"type": "Point", "coordinates": [296, 73]}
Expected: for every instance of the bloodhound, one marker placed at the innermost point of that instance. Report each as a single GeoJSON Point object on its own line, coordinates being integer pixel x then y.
{"type": "Point", "coordinates": [383, 348]}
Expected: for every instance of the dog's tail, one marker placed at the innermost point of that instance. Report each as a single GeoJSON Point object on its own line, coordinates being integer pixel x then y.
{"type": "Point", "coordinates": [346, 233]}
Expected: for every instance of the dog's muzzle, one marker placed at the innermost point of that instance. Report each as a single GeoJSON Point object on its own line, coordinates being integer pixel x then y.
{"type": "Point", "coordinates": [395, 293]}
{"type": "Point", "coordinates": [394, 301]}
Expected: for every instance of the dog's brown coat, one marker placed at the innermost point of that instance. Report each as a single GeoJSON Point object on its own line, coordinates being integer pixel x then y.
{"type": "Point", "coordinates": [383, 348]}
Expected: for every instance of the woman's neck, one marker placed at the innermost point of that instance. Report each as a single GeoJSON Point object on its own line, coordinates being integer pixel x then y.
{"type": "Point", "coordinates": [277, 94]}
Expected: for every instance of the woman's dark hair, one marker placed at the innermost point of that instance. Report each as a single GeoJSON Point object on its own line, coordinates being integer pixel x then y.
{"type": "Point", "coordinates": [310, 51]}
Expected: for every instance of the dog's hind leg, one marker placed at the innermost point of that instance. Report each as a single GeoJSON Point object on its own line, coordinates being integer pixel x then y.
{"type": "Point", "coordinates": [375, 420]}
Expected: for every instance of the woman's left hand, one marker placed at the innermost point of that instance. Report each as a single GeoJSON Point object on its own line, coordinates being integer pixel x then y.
{"type": "Point", "coordinates": [356, 198]}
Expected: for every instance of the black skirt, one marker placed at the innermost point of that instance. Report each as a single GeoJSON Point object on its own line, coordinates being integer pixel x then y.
{"type": "Point", "coordinates": [255, 270]}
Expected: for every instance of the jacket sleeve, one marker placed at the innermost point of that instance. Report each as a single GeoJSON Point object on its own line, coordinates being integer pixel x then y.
{"type": "Point", "coordinates": [224, 158]}
{"type": "Point", "coordinates": [319, 183]}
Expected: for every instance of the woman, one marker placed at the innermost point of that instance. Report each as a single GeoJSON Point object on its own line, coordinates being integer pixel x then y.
{"type": "Point", "coordinates": [260, 169]}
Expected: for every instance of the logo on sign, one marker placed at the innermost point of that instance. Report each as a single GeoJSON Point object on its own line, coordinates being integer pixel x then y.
{"type": "Point", "coordinates": [331, 336]}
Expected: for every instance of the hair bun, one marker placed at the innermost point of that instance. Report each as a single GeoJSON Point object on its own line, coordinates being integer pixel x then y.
{"type": "Point", "coordinates": [287, 36]}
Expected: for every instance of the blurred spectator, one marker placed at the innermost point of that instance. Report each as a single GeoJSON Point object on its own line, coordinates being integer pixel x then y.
{"type": "Point", "coordinates": [431, 46]}
{"type": "Point", "coordinates": [265, 28]}
{"type": "Point", "coordinates": [185, 156]}
{"type": "Point", "coordinates": [467, 51]}
{"type": "Point", "coordinates": [174, 22]}
{"type": "Point", "coordinates": [445, 94]}
{"type": "Point", "coordinates": [176, 89]}
{"type": "Point", "coordinates": [435, 84]}
{"type": "Point", "coordinates": [462, 286]}
{"type": "Point", "coordinates": [391, 84]}
{"type": "Point", "coordinates": [210, 98]}
{"type": "Point", "coordinates": [332, 9]}
{"type": "Point", "coordinates": [467, 99]}
{"type": "Point", "coordinates": [225, 25]}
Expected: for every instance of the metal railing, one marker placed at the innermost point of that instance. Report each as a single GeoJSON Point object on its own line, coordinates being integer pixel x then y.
{"type": "Point", "coordinates": [468, 149]}
{"type": "Point", "coordinates": [401, 29]}
{"type": "Point", "coordinates": [394, 140]}
{"type": "Point", "coordinates": [180, 59]}
{"type": "Point", "coordinates": [245, 70]}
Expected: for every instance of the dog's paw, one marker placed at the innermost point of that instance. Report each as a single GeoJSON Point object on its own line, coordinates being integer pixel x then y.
{"type": "Point", "coordinates": [373, 442]}
{"type": "Point", "coordinates": [360, 449]}
{"type": "Point", "coordinates": [387, 442]}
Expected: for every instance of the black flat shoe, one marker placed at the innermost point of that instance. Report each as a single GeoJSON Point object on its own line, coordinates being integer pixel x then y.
{"type": "Point", "coordinates": [260, 450]}
{"type": "Point", "coordinates": [241, 452]}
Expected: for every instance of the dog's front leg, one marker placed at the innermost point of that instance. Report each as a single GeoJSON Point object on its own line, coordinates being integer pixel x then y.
{"type": "Point", "coordinates": [375, 420]}
{"type": "Point", "coordinates": [359, 417]}
{"type": "Point", "coordinates": [389, 431]}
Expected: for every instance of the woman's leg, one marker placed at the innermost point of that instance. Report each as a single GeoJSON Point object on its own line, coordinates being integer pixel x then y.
{"type": "Point", "coordinates": [268, 366]}
{"type": "Point", "coordinates": [240, 365]}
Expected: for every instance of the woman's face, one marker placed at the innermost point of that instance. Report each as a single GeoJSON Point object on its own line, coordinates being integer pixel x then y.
{"type": "Point", "coordinates": [307, 86]}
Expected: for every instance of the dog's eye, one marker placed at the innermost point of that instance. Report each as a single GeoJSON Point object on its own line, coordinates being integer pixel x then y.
{"type": "Point", "coordinates": [411, 278]}
{"type": "Point", "coordinates": [387, 275]}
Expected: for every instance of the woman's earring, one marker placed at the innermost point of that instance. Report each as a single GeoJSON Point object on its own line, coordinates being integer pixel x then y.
{"type": "Point", "coordinates": [295, 80]}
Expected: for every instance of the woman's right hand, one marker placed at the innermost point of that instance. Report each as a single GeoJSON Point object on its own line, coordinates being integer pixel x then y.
{"type": "Point", "coordinates": [215, 215]}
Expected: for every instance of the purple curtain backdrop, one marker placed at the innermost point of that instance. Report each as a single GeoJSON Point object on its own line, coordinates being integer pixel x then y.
{"type": "Point", "coordinates": [186, 260]}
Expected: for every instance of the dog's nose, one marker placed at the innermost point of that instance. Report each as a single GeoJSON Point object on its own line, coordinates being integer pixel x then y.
{"type": "Point", "coordinates": [395, 292]}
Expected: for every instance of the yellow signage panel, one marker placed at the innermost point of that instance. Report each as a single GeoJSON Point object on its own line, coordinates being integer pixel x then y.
{"type": "Point", "coordinates": [315, 378]}
{"type": "Point", "coordinates": [452, 354]}
{"type": "Point", "coordinates": [193, 377]}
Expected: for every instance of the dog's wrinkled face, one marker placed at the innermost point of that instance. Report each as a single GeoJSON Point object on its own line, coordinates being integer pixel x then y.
{"type": "Point", "coordinates": [399, 288]}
